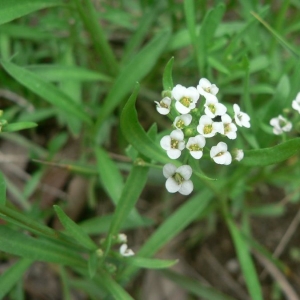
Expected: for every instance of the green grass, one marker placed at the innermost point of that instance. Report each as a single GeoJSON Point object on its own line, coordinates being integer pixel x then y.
{"type": "Point", "coordinates": [83, 75]}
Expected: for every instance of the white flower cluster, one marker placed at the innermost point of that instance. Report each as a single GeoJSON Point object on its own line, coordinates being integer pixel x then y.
{"type": "Point", "coordinates": [193, 128]}
{"type": "Point", "coordinates": [281, 124]}
{"type": "Point", "coordinates": [124, 250]}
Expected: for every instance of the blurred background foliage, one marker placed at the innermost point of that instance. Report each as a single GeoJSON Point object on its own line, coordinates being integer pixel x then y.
{"type": "Point", "coordinates": [70, 67]}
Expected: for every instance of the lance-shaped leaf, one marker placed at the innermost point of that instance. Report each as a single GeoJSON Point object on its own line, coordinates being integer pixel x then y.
{"type": "Point", "coordinates": [2, 189]}
{"type": "Point", "coordinates": [272, 155]}
{"type": "Point", "coordinates": [13, 275]}
{"type": "Point", "coordinates": [74, 230]}
{"type": "Point", "coordinates": [12, 9]}
{"type": "Point", "coordinates": [45, 90]}
{"type": "Point", "coordinates": [149, 263]}
{"type": "Point", "coordinates": [18, 126]}
{"type": "Point", "coordinates": [167, 77]}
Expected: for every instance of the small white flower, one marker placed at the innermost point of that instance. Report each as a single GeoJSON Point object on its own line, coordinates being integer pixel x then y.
{"type": "Point", "coordinates": [213, 108]}
{"type": "Point", "coordinates": [220, 154]}
{"type": "Point", "coordinates": [124, 251]}
{"type": "Point", "coordinates": [164, 106]}
{"type": "Point", "coordinates": [186, 98]}
{"type": "Point", "coordinates": [182, 121]}
{"type": "Point", "coordinates": [205, 88]}
{"type": "Point", "coordinates": [196, 145]}
{"type": "Point", "coordinates": [208, 128]}
{"type": "Point", "coordinates": [296, 103]}
{"type": "Point", "coordinates": [229, 128]}
{"type": "Point", "coordinates": [173, 143]}
{"type": "Point", "coordinates": [122, 238]}
{"type": "Point", "coordinates": [280, 124]}
{"type": "Point", "coordinates": [178, 179]}
{"type": "Point", "coordinates": [241, 118]}
{"type": "Point", "coordinates": [238, 154]}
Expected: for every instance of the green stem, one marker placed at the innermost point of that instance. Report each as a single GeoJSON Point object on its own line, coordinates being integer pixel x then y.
{"type": "Point", "coordinates": [91, 21]}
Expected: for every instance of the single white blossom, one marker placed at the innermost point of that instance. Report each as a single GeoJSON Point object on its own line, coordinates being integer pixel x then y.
{"type": "Point", "coordinates": [208, 128]}
{"type": "Point", "coordinates": [241, 118]}
{"type": "Point", "coordinates": [178, 179]}
{"type": "Point", "coordinates": [205, 88]}
{"type": "Point", "coordinates": [186, 98]}
{"type": "Point", "coordinates": [213, 108]}
{"type": "Point", "coordinates": [125, 251]}
{"type": "Point", "coordinates": [122, 238]}
{"type": "Point", "coordinates": [238, 154]}
{"type": "Point", "coordinates": [182, 121]}
{"type": "Point", "coordinates": [296, 103]}
{"type": "Point", "coordinates": [196, 145]}
{"type": "Point", "coordinates": [164, 106]}
{"type": "Point", "coordinates": [220, 154]}
{"type": "Point", "coordinates": [229, 128]}
{"type": "Point", "coordinates": [280, 124]}
{"type": "Point", "coordinates": [173, 143]}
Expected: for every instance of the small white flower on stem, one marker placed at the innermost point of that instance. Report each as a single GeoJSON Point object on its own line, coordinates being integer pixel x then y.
{"type": "Point", "coordinates": [186, 98]}
{"type": "Point", "coordinates": [296, 103]}
{"type": "Point", "coordinates": [229, 128]}
{"type": "Point", "coordinates": [205, 88]}
{"type": "Point", "coordinates": [280, 124]}
{"type": "Point", "coordinates": [173, 143]}
{"type": "Point", "coordinates": [124, 251]}
{"type": "Point", "coordinates": [220, 154]}
{"type": "Point", "coordinates": [241, 118]}
{"type": "Point", "coordinates": [178, 179]}
{"type": "Point", "coordinates": [208, 128]}
{"type": "Point", "coordinates": [196, 145]}
{"type": "Point", "coordinates": [213, 108]}
{"type": "Point", "coordinates": [122, 238]}
{"type": "Point", "coordinates": [182, 121]}
{"type": "Point", "coordinates": [164, 106]}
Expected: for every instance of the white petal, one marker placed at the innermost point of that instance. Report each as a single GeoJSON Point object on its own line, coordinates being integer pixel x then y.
{"type": "Point", "coordinates": [178, 92]}
{"type": "Point", "coordinates": [174, 153]}
{"type": "Point", "coordinates": [169, 170]}
{"type": "Point", "coordinates": [214, 89]}
{"type": "Point", "coordinates": [220, 109]}
{"type": "Point", "coordinates": [187, 119]}
{"type": "Point", "coordinates": [222, 147]}
{"type": "Point", "coordinates": [193, 94]}
{"type": "Point", "coordinates": [185, 171]}
{"type": "Point", "coordinates": [226, 119]}
{"type": "Point", "coordinates": [181, 108]}
{"type": "Point", "coordinates": [162, 110]}
{"type": "Point", "coordinates": [196, 154]}
{"type": "Point", "coordinates": [200, 140]}
{"type": "Point", "coordinates": [231, 135]}
{"type": "Point", "coordinates": [186, 187]}
{"type": "Point", "coordinates": [165, 142]}
{"type": "Point", "coordinates": [204, 83]}
{"type": "Point", "coordinates": [124, 251]}
{"type": "Point", "coordinates": [172, 186]}
{"type": "Point", "coordinates": [236, 109]}
{"type": "Point", "coordinates": [177, 134]}
{"type": "Point", "coordinates": [228, 158]}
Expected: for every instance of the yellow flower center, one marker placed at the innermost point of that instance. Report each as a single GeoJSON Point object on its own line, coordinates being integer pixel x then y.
{"type": "Point", "coordinates": [219, 154]}
{"type": "Point", "coordinates": [207, 129]}
{"type": "Point", "coordinates": [195, 147]}
{"type": "Point", "coordinates": [226, 128]}
{"type": "Point", "coordinates": [174, 144]}
{"type": "Point", "coordinates": [207, 90]}
{"type": "Point", "coordinates": [180, 124]}
{"type": "Point", "coordinates": [185, 101]}
{"type": "Point", "coordinates": [163, 104]}
{"type": "Point", "coordinates": [178, 178]}
{"type": "Point", "coordinates": [212, 108]}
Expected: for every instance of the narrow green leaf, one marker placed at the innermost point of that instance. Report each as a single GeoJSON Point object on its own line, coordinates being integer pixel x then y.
{"type": "Point", "coordinates": [111, 286]}
{"type": "Point", "coordinates": [149, 263]}
{"type": "Point", "coordinates": [174, 224]}
{"type": "Point", "coordinates": [167, 77]}
{"type": "Point", "coordinates": [60, 73]}
{"type": "Point", "coordinates": [2, 189]}
{"type": "Point", "coordinates": [195, 287]}
{"type": "Point", "coordinates": [245, 261]}
{"type": "Point", "coordinates": [209, 25]}
{"type": "Point", "coordinates": [110, 176]}
{"type": "Point", "coordinates": [130, 194]}
{"type": "Point", "coordinates": [284, 43]}
{"type": "Point", "coordinates": [13, 275]}
{"type": "Point", "coordinates": [93, 264]}
{"type": "Point", "coordinates": [13, 9]}
{"type": "Point", "coordinates": [74, 230]}
{"type": "Point", "coordinates": [134, 71]}
{"type": "Point", "coordinates": [45, 90]}
{"type": "Point", "coordinates": [272, 155]}
{"type": "Point", "coordinates": [16, 243]}
{"type": "Point", "coordinates": [136, 135]}
{"type": "Point", "coordinates": [18, 126]}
